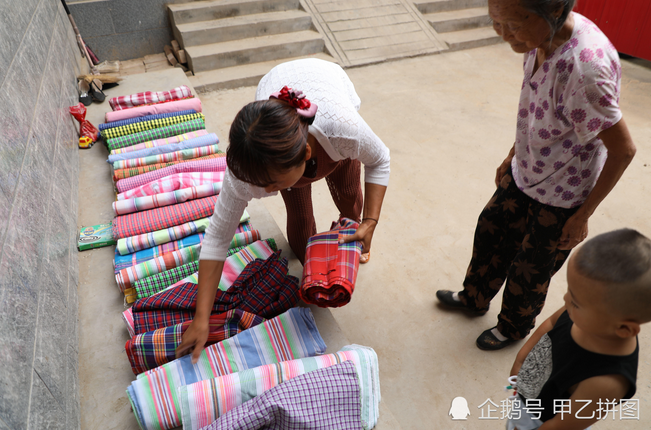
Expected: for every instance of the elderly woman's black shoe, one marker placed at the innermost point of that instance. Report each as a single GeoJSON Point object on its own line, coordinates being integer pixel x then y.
{"type": "Point", "coordinates": [447, 298]}
{"type": "Point", "coordinates": [488, 342]}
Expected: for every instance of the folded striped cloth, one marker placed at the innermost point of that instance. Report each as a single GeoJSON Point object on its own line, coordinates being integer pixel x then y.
{"type": "Point", "coordinates": [127, 277]}
{"type": "Point", "coordinates": [154, 397]}
{"type": "Point", "coordinates": [183, 154]}
{"type": "Point", "coordinates": [150, 350]}
{"type": "Point", "coordinates": [122, 207]}
{"type": "Point", "coordinates": [160, 142]}
{"type": "Point", "coordinates": [150, 285]}
{"type": "Point", "coordinates": [129, 121]}
{"type": "Point", "coordinates": [156, 133]}
{"type": "Point", "coordinates": [205, 401]}
{"type": "Point", "coordinates": [153, 109]}
{"type": "Point", "coordinates": [173, 182]}
{"type": "Point", "coordinates": [205, 140]}
{"type": "Point", "coordinates": [157, 219]}
{"type": "Point", "coordinates": [323, 399]}
{"type": "Point", "coordinates": [120, 174]}
{"type": "Point", "coordinates": [330, 269]}
{"type": "Point", "coordinates": [217, 164]}
{"type": "Point", "coordinates": [132, 100]}
{"type": "Point", "coordinates": [177, 305]}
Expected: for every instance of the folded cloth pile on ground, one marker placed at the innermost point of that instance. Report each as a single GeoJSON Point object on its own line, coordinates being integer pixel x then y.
{"type": "Point", "coordinates": [196, 142]}
{"type": "Point", "coordinates": [134, 125]}
{"type": "Point", "coordinates": [153, 109]}
{"type": "Point", "coordinates": [146, 97]}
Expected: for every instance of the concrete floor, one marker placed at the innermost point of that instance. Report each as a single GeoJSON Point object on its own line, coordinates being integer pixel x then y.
{"type": "Point", "coordinates": [449, 121]}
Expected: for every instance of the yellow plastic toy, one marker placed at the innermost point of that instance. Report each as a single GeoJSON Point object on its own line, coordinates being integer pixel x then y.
{"type": "Point", "coordinates": [85, 142]}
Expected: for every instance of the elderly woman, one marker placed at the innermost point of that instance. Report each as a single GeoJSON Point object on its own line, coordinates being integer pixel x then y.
{"type": "Point", "coordinates": [303, 127]}
{"type": "Point", "coordinates": [571, 147]}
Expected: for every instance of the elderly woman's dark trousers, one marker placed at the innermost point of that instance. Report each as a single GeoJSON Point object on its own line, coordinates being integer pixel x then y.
{"type": "Point", "coordinates": [515, 240]}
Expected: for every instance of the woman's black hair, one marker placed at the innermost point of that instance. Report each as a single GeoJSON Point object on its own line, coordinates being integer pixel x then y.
{"type": "Point", "coordinates": [546, 9]}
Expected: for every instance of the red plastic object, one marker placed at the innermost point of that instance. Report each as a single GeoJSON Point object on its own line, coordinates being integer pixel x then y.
{"type": "Point", "coordinates": [85, 127]}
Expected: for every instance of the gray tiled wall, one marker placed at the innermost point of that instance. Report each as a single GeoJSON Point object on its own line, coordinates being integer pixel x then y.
{"type": "Point", "coordinates": [39, 62]}
{"type": "Point", "coordinates": [124, 29]}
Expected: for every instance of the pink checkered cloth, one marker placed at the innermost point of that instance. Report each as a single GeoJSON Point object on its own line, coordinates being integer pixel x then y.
{"type": "Point", "coordinates": [217, 164]}
{"type": "Point", "coordinates": [160, 142]}
{"type": "Point", "coordinates": [123, 207]}
{"type": "Point", "coordinates": [126, 102]}
{"type": "Point", "coordinates": [172, 183]}
{"type": "Point", "coordinates": [140, 111]}
{"type": "Point", "coordinates": [330, 268]}
{"type": "Point", "coordinates": [182, 154]}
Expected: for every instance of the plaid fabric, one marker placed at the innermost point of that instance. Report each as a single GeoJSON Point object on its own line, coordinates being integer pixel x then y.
{"type": "Point", "coordinates": [173, 182]}
{"type": "Point", "coordinates": [183, 154]}
{"type": "Point", "coordinates": [321, 392]}
{"type": "Point", "coordinates": [125, 278]}
{"type": "Point", "coordinates": [149, 350]}
{"type": "Point", "coordinates": [267, 293]}
{"type": "Point", "coordinates": [160, 218]}
{"type": "Point", "coordinates": [153, 109]}
{"type": "Point", "coordinates": [138, 99]}
{"type": "Point", "coordinates": [123, 207]}
{"type": "Point", "coordinates": [128, 173]}
{"type": "Point", "coordinates": [153, 395]}
{"type": "Point", "coordinates": [216, 164]}
{"type": "Point", "coordinates": [330, 269]}
{"type": "Point", "coordinates": [129, 121]}
{"type": "Point", "coordinates": [123, 261]}
{"type": "Point", "coordinates": [206, 140]}
{"type": "Point", "coordinates": [156, 133]}
{"type": "Point", "coordinates": [160, 142]}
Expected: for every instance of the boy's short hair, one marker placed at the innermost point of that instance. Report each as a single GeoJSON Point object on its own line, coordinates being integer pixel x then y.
{"type": "Point", "coordinates": [621, 260]}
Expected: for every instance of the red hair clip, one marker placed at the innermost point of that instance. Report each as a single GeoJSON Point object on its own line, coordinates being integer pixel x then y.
{"type": "Point", "coordinates": [296, 99]}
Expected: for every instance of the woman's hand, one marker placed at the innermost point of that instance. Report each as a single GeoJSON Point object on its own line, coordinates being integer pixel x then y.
{"type": "Point", "coordinates": [363, 234]}
{"type": "Point", "coordinates": [194, 339]}
{"type": "Point", "coordinates": [504, 167]}
{"type": "Point", "coordinates": [574, 232]}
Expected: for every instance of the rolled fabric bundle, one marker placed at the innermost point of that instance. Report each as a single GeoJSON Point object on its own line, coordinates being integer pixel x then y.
{"type": "Point", "coordinates": [156, 133]}
{"type": "Point", "coordinates": [183, 154]}
{"type": "Point", "coordinates": [153, 109]}
{"type": "Point", "coordinates": [205, 401]}
{"type": "Point", "coordinates": [121, 123]}
{"type": "Point", "coordinates": [123, 261]}
{"type": "Point", "coordinates": [216, 164]}
{"type": "Point", "coordinates": [160, 142]}
{"type": "Point", "coordinates": [128, 173]}
{"type": "Point", "coordinates": [323, 399]}
{"type": "Point", "coordinates": [177, 305]}
{"type": "Point", "coordinates": [330, 269]}
{"type": "Point", "coordinates": [140, 127]}
{"type": "Point", "coordinates": [150, 285]}
{"type": "Point", "coordinates": [173, 182]}
{"type": "Point", "coordinates": [153, 395]}
{"type": "Point", "coordinates": [127, 277]}
{"type": "Point", "coordinates": [132, 100]}
{"type": "Point", "coordinates": [149, 350]}
{"type": "Point", "coordinates": [160, 218]}
{"type": "Point", "coordinates": [122, 207]}
{"type": "Point", "coordinates": [209, 139]}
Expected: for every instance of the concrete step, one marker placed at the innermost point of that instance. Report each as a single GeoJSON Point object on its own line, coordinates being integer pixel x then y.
{"type": "Point", "coordinates": [242, 27]}
{"type": "Point", "coordinates": [446, 5]}
{"type": "Point", "coordinates": [217, 9]}
{"type": "Point", "coordinates": [473, 38]}
{"type": "Point", "coordinates": [462, 19]}
{"type": "Point", "coordinates": [253, 50]}
{"type": "Point", "coordinates": [241, 76]}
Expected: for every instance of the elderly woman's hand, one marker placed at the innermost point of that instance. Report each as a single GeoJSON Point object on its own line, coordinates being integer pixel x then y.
{"type": "Point", "coordinates": [574, 232]}
{"type": "Point", "coordinates": [504, 167]}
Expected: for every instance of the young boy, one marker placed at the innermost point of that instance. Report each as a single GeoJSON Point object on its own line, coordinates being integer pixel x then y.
{"type": "Point", "coordinates": [582, 361]}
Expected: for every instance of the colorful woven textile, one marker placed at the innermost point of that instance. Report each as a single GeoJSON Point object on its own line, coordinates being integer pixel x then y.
{"type": "Point", "coordinates": [323, 399]}
{"type": "Point", "coordinates": [132, 244]}
{"type": "Point", "coordinates": [160, 142]}
{"type": "Point", "coordinates": [150, 350]}
{"type": "Point", "coordinates": [127, 277]}
{"type": "Point", "coordinates": [144, 110]}
{"type": "Point", "coordinates": [156, 133]}
{"type": "Point", "coordinates": [171, 183]}
{"type": "Point", "coordinates": [122, 207]}
{"type": "Point", "coordinates": [151, 285]}
{"type": "Point", "coordinates": [205, 401]}
{"type": "Point", "coordinates": [128, 173]}
{"type": "Point", "coordinates": [160, 218]}
{"type": "Point", "coordinates": [132, 100]}
{"type": "Point", "coordinates": [216, 164]}
{"type": "Point", "coordinates": [183, 154]}
{"type": "Point", "coordinates": [154, 397]}
{"type": "Point", "coordinates": [206, 140]}
{"type": "Point", "coordinates": [114, 124]}
{"type": "Point", "coordinates": [330, 269]}
{"type": "Point", "coordinates": [177, 305]}
{"type": "Point", "coordinates": [123, 261]}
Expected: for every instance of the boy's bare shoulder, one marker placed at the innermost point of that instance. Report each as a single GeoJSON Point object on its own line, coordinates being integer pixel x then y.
{"type": "Point", "coordinates": [601, 387]}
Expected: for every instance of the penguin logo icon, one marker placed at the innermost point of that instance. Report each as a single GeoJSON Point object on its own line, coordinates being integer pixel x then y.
{"type": "Point", "coordinates": [459, 409]}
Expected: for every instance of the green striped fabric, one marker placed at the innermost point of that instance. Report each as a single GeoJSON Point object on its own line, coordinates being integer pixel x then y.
{"type": "Point", "coordinates": [157, 133]}
{"type": "Point", "coordinates": [123, 130]}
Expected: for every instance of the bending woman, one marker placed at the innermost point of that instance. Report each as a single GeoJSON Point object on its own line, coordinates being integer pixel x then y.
{"type": "Point", "coordinates": [571, 147]}
{"type": "Point", "coordinates": [283, 142]}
